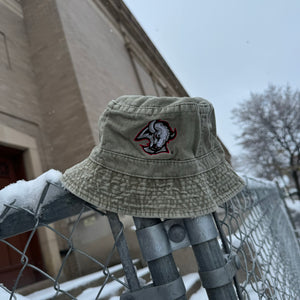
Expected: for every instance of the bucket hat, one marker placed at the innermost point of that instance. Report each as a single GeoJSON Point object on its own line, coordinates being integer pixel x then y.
{"type": "Point", "coordinates": [156, 157]}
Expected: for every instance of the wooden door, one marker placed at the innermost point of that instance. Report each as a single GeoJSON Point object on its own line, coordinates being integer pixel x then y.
{"type": "Point", "coordinates": [11, 170]}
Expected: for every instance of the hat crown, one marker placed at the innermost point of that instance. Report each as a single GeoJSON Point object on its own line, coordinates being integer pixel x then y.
{"type": "Point", "coordinates": [157, 136]}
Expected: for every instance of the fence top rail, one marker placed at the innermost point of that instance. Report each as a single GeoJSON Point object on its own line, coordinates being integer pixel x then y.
{"type": "Point", "coordinates": [56, 203]}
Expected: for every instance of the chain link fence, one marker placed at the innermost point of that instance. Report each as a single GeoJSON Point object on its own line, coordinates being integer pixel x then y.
{"type": "Point", "coordinates": [253, 226]}
{"type": "Point", "coordinates": [256, 226]}
{"type": "Point", "coordinates": [55, 204]}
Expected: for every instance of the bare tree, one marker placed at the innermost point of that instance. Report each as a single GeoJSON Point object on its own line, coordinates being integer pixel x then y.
{"type": "Point", "coordinates": [270, 124]}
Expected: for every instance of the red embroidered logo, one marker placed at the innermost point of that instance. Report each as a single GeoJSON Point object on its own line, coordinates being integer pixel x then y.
{"type": "Point", "coordinates": [158, 133]}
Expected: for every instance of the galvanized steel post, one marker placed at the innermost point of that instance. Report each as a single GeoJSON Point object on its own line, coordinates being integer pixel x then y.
{"type": "Point", "coordinates": [117, 230]}
{"type": "Point", "coordinates": [157, 252]}
{"type": "Point", "coordinates": [215, 273]}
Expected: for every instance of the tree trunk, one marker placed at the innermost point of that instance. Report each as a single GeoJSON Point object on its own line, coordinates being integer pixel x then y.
{"type": "Point", "coordinates": [296, 179]}
{"type": "Point", "coordinates": [295, 173]}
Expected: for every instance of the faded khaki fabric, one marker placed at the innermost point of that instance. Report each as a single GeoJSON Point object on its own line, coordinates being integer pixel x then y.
{"type": "Point", "coordinates": [156, 157]}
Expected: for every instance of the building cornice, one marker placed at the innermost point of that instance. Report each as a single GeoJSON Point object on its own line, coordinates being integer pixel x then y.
{"type": "Point", "coordinates": [14, 6]}
{"type": "Point", "coordinates": [122, 15]}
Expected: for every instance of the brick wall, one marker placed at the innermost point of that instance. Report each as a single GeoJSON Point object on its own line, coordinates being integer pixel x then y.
{"type": "Point", "coordinates": [19, 103]}
{"type": "Point", "coordinates": [100, 59]}
{"type": "Point", "coordinates": [65, 123]}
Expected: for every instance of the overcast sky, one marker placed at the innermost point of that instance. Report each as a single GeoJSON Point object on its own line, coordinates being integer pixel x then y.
{"type": "Point", "coordinates": [223, 50]}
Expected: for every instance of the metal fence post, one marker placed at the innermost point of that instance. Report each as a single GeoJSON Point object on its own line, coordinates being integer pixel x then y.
{"type": "Point", "coordinates": [163, 269]}
{"type": "Point", "coordinates": [216, 275]}
{"type": "Point", "coordinates": [117, 230]}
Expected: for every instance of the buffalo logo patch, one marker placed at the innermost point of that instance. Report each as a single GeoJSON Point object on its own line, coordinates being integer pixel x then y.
{"type": "Point", "coordinates": [158, 133]}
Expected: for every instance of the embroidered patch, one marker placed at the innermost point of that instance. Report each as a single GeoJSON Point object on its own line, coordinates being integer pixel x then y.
{"type": "Point", "coordinates": [158, 133]}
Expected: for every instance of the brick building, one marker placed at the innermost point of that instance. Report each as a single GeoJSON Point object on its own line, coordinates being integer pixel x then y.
{"type": "Point", "coordinates": [61, 62]}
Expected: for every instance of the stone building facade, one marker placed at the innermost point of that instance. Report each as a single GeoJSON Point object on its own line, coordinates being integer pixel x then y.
{"type": "Point", "coordinates": [61, 62]}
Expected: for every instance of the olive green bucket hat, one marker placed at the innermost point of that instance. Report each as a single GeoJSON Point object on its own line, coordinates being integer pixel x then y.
{"type": "Point", "coordinates": [157, 157]}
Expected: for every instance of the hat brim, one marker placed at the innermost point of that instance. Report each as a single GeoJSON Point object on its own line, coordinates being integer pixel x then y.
{"type": "Point", "coordinates": [145, 197]}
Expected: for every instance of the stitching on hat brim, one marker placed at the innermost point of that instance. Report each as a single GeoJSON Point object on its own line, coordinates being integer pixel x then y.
{"type": "Point", "coordinates": [154, 178]}
{"type": "Point", "coordinates": [206, 162]}
{"type": "Point", "coordinates": [232, 182]}
{"type": "Point", "coordinates": [162, 161]}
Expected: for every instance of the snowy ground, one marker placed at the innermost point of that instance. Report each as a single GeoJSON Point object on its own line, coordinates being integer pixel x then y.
{"type": "Point", "coordinates": [111, 289]}
{"type": "Point", "coordinates": [48, 293]}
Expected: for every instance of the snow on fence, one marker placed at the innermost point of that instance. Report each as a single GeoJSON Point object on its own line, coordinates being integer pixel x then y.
{"type": "Point", "coordinates": [253, 229]}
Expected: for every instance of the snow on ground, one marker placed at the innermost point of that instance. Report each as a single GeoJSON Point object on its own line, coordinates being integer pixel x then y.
{"type": "Point", "coordinates": [48, 293]}
{"type": "Point", "coordinates": [190, 279]}
{"type": "Point", "coordinates": [293, 205]}
{"type": "Point", "coordinates": [199, 295]}
{"type": "Point", "coordinates": [4, 295]}
{"type": "Point", "coordinates": [26, 194]}
{"type": "Point", "coordinates": [251, 292]}
{"type": "Point", "coordinates": [109, 290]}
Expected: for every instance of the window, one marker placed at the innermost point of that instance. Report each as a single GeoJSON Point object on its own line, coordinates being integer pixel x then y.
{"type": "Point", "coordinates": [4, 54]}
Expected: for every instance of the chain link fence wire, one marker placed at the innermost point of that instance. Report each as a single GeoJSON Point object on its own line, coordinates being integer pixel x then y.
{"type": "Point", "coordinates": [254, 225]}
{"type": "Point", "coordinates": [39, 217]}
